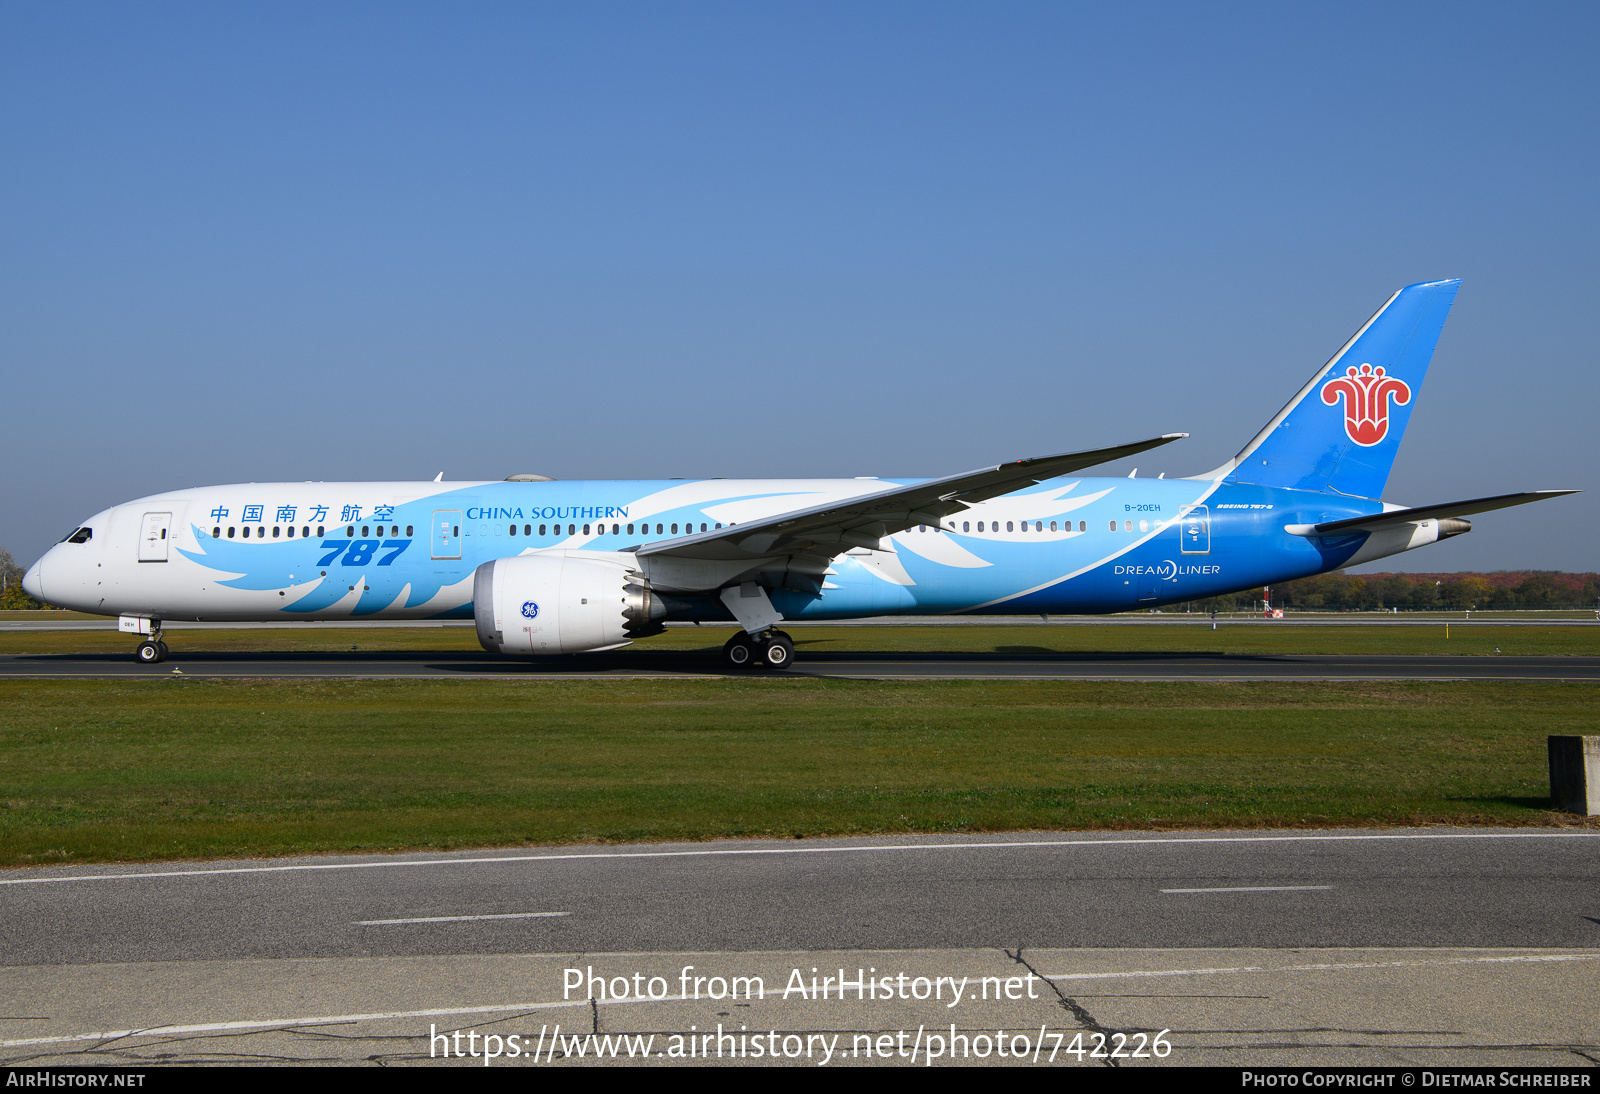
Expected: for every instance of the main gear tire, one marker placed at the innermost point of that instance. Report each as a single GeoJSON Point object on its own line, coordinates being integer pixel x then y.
{"type": "Point", "coordinates": [740, 653]}
{"type": "Point", "coordinates": [778, 652]}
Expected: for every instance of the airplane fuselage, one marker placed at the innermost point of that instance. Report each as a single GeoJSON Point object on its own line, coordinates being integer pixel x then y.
{"type": "Point", "coordinates": [406, 550]}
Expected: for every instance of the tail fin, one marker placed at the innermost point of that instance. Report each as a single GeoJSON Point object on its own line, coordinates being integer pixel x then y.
{"type": "Point", "coordinates": [1341, 432]}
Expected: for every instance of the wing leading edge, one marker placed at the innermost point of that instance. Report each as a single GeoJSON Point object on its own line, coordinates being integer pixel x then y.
{"type": "Point", "coordinates": [864, 521]}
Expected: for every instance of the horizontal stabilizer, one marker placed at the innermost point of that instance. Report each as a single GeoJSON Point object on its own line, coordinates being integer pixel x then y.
{"type": "Point", "coordinates": [1422, 512]}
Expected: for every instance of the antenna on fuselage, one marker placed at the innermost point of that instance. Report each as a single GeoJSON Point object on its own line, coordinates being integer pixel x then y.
{"type": "Point", "coordinates": [439, 477]}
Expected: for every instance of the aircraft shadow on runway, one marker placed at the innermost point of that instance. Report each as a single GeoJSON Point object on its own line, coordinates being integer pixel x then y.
{"type": "Point", "coordinates": [708, 662]}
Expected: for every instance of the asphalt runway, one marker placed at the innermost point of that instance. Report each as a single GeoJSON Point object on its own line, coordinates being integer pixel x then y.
{"type": "Point", "coordinates": [1439, 947]}
{"type": "Point", "coordinates": [46, 621]}
{"type": "Point", "coordinates": [881, 666]}
{"type": "Point", "coordinates": [1406, 888]}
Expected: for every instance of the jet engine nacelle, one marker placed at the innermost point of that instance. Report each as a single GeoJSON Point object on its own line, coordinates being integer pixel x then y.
{"type": "Point", "coordinates": [561, 602]}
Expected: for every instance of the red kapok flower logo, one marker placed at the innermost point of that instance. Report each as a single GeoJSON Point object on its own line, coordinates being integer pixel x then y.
{"type": "Point", "coordinates": [1366, 393]}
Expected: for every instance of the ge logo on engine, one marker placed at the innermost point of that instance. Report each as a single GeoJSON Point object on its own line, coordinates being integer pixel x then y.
{"type": "Point", "coordinates": [530, 609]}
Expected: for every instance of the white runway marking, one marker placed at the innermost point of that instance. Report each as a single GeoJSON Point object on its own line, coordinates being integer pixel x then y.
{"type": "Point", "coordinates": [504, 1008]}
{"type": "Point", "coordinates": [1256, 889]}
{"type": "Point", "coordinates": [320, 1020]}
{"type": "Point", "coordinates": [1323, 967]}
{"type": "Point", "coordinates": [459, 918]}
{"type": "Point", "coordinates": [736, 851]}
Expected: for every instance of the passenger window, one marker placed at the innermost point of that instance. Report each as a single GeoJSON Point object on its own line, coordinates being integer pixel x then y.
{"type": "Point", "coordinates": [966, 526]}
{"type": "Point", "coordinates": [230, 533]}
{"type": "Point", "coordinates": [513, 529]}
{"type": "Point", "coordinates": [1144, 526]}
{"type": "Point", "coordinates": [364, 532]}
{"type": "Point", "coordinates": [616, 529]}
{"type": "Point", "coordinates": [572, 529]}
{"type": "Point", "coordinates": [702, 526]}
{"type": "Point", "coordinates": [719, 524]}
{"type": "Point", "coordinates": [1008, 526]}
{"type": "Point", "coordinates": [542, 530]}
{"type": "Point", "coordinates": [585, 529]}
{"type": "Point", "coordinates": [395, 531]}
{"type": "Point", "coordinates": [1052, 526]}
{"type": "Point", "coordinates": [276, 531]}
{"type": "Point", "coordinates": [630, 529]}
{"type": "Point", "coordinates": [674, 529]}
{"type": "Point", "coordinates": [1083, 526]}
{"type": "Point", "coordinates": [658, 530]}
{"type": "Point", "coordinates": [216, 533]}
{"type": "Point", "coordinates": [320, 532]}
{"type": "Point", "coordinates": [527, 529]}
{"type": "Point", "coordinates": [380, 531]}
{"type": "Point", "coordinates": [1113, 526]}
{"type": "Point", "coordinates": [349, 530]}
{"type": "Point", "coordinates": [1127, 526]}
{"type": "Point", "coordinates": [408, 529]}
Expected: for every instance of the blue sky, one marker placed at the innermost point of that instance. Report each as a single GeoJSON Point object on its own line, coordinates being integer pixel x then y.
{"type": "Point", "coordinates": [373, 241]}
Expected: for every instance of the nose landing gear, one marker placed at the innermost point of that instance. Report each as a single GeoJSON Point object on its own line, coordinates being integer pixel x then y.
{"type": "Point", "coordinates": [772, 649]}
{"type": "Point", "coordinates": [151, 652]}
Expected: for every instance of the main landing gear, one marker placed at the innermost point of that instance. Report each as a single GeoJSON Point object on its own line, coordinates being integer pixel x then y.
{"type": "Point", "coordinates": [771, 649]}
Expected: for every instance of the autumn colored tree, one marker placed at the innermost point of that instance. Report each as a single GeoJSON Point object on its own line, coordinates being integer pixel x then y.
{"type": "Point", "coordinates": [12, 597]}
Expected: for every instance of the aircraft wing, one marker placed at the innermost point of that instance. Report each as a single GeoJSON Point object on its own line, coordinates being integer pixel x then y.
{"type": "Point", "coordinates": [1423, 512]}
{"type": "Point", "coordinates": [864, 521]}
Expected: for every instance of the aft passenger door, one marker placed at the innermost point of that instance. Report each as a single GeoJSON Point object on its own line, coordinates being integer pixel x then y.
{"type": "Point", "coordinates": [153, 537]}
{"type": "Point", "coordinates": [446, 533]}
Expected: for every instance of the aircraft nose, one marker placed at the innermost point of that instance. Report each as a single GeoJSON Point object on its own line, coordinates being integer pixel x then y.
{"type": "Point", "coordinates": [33, 581]}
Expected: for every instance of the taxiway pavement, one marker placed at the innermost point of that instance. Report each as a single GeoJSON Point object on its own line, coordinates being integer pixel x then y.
{"type": "Point", "coordinates": [1434, 947]}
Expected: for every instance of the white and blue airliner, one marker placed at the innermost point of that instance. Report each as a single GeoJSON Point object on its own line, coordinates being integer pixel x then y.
{"type": "Point", "coordinates": [547, 567]}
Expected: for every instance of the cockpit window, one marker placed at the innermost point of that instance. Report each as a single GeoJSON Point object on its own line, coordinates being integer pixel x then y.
{"type": "Point", "coordinates": [79, 535]}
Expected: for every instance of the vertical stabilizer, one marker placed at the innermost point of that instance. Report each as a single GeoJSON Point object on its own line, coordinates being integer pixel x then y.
{"type": "Point", "coordinates": [1341, 432]}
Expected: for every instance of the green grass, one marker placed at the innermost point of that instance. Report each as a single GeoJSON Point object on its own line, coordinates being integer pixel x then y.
{"type": "Point", "coordinates": [173, 768]}
{"type": "Point", "coordinates": [1056, 638]}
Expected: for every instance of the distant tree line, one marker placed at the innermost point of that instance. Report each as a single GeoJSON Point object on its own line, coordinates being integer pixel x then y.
{"type": "Point", "coordinates": [1501, 590]}
{"type": "Point", "coordinates": [12, 598]}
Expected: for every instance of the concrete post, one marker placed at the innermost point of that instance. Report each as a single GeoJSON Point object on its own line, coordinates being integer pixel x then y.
{"type": "Point", "coordinates": [1575, 774]}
